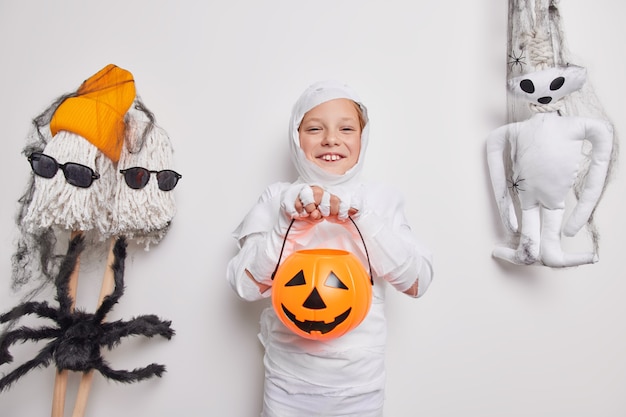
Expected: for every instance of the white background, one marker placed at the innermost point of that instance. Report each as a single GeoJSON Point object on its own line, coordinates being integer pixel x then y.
{"type": "Point", "coordinates": [487, 339]}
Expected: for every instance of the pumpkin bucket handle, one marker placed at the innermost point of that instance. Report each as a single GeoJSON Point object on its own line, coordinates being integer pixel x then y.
{"type": "Point", "coordinates": [369, 264]}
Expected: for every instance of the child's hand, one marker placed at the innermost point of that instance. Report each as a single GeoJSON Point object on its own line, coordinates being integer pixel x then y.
{"type": "Point", "coordinates": [314, 203]}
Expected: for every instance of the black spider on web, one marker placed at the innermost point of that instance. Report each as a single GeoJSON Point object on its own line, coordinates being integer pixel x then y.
{"type": "Point", "coordinates": [515, 184]}
{"type": "Point", "coordinates": [77, 337]}
{"type": "Point", "coordinates": [516, 60]}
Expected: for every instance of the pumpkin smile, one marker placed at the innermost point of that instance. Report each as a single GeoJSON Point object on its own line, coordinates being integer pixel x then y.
{"type": "Point", "coordinates": [309, 326]}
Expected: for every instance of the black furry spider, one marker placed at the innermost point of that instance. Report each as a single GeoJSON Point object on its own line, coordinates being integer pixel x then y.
{"type": "Point", "coordinates": [78, 336]}
{"type": "Point", "coordinates": [517, 60]}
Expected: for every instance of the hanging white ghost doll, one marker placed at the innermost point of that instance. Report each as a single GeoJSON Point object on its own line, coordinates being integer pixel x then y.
{"type": "Point", "coordinates": [547, 152]}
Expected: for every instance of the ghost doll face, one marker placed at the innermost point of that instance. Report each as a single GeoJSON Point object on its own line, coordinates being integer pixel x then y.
{"type": "Point", "coordinates": [549, 85]}
{"type": "Point", "coordinates": [330, 135]}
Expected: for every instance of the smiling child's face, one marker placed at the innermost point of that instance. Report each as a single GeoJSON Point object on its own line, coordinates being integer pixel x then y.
{"type": "Point", "coordinates": [330, 135]}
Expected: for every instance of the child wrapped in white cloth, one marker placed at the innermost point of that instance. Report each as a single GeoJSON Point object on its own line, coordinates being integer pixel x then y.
{"type": "Point", "coordinates": [344, 376]}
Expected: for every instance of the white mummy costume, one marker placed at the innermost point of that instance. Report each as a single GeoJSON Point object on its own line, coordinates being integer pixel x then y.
{"type": "Point", "coordinates": [343, 376]}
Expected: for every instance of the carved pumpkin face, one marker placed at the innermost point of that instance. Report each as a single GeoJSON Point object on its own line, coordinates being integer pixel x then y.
{"type": "Point", "coordinates": [321, 293]}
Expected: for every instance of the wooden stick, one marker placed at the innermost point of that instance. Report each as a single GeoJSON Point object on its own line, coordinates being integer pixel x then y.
{"type": "Point", "coordinates": [108, 282]}
{"type": "Point", "coordinates": [83, 394]}
{"type": "Point", "coordinates": [58, 398]}
{"type": "Point", "coordinates": [60, 379]}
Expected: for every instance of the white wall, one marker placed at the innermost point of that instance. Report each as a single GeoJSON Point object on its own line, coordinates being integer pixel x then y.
{"type": "Point", "coordinates": [488, 339]}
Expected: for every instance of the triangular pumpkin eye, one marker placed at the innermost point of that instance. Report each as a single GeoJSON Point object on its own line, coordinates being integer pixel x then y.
{"type": "Point", "coordinates": [333, 281]}
{"type": "Point", "coordinates": [298, 279]}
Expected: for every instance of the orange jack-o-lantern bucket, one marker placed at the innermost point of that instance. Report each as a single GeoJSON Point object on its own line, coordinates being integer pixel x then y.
{"type": "Point", "coordinates": [321, 294]}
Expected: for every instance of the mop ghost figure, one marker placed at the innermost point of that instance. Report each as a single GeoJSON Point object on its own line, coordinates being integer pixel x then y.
{"type": "Point", "coordinates": [144, 205]}
{"type": "Point", "coordinates": [56, 202]}
{"type": "Point", "coordinates": [547, 154]}
{"type": "Point", "coordinates": [72, 150]}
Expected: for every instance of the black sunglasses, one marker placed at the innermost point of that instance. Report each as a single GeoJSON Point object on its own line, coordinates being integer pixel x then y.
{"type": "Point", "coordinates": [76, 174]}
{"type": "Point", "coordinates": [138, 177]}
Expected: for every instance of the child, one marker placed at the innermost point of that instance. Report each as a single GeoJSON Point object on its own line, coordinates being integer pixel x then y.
{"type": "Point", "coordinates": [343, 376]}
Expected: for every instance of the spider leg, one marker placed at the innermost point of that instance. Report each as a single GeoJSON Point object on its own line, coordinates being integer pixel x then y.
{"type": "Point", "coordinates": [137, 374]}
{"type": "Point", "coordinates": [23, 334]}
{"type": "Point", "coordinates": [119, 252]}
{"type": "Point", "coordinates": [146, 325]}
{"type": "Point", "coordinates": [42, 359]}
{"type": "Point", "coordinates": [42, 309]}
{"type": "Point", "coordinates": [66, 269]}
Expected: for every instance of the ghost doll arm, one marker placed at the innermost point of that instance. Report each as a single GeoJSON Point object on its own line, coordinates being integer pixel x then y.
{"type": "Point", "coordinates": [600, 134]}
{"type": "Point", "coordinates": [496, 146]}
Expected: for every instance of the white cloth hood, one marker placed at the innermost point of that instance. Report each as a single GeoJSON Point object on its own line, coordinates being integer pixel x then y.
{"type": "Point", "coordinates": [314, 95]}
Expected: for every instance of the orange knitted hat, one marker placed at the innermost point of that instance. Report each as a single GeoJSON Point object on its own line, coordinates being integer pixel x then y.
{"type": "Point", "coordinates": [97, 111]}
